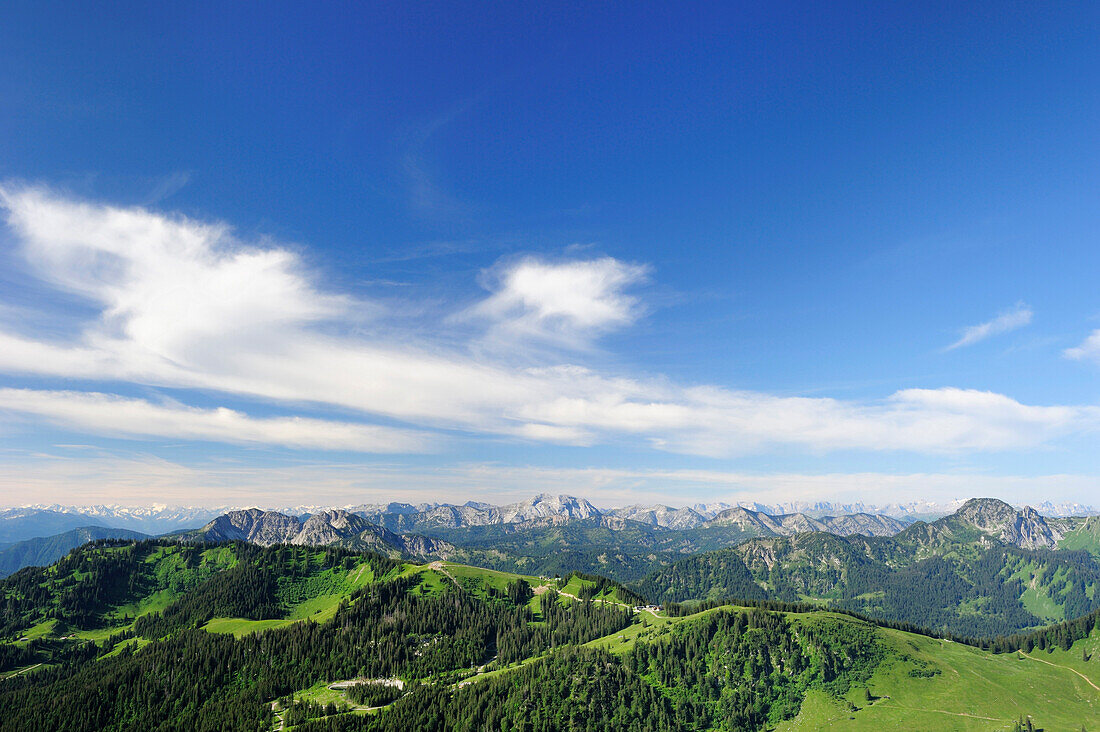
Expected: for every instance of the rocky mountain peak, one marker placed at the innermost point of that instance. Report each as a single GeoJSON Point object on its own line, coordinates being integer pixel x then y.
{"type": "Point", "coordinates": [545, 504]}
{"type": "Point", "coordinates": [333, 527]}
{"type": "Point", "coordinates": [660, 515]}
{"type": "Point", "coordinates": [1025, 528]}
{"type": "Point", "coordinates": [737, 514]}
{"type": "Point", "coordinates": [252, 524]}
{"type": "Point", "coordinates": [327, 527]}
{"type": "Point", "coordinates": [336, 517]}
{"type": "Point", "coordinates": [789, 524]}
{"type": "Point", "coordinates": [986, 513]}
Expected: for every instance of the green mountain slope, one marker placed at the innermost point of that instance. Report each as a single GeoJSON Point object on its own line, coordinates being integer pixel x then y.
{"type": "Point", "coordinates": [1085, 537]}
{"type": "Point", "coordinates": [958, 574]}
{"type": "Point", "coordinates": [240, 637]}
{"type": "Point", "coordinates": [609, 545]}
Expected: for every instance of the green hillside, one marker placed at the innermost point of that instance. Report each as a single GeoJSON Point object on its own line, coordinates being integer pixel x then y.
{"type": "Point", "coordinates": [968, 689]}
{"type": "Point", "coordinates": [238, 637]}
{"type": "Point", "coordinates": [954, 583]}
{"type": "Point", "coordinates": [620, 548]}
{"type": "Point", "coordinates": [1085, 537]}
{"type": "Point", "coordinates": [732, 668]}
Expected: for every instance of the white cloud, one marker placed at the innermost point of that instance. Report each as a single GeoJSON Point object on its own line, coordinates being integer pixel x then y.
{"type": "Point", "coordinates": [1089, 350]}
{"type": "Point", "coordinates": [563, 302]}
{"type": "Point", "coordinates": [1017, 317]}
{"type": "Point", "coordinates": [107, 414]}
{"type": "Point", "coordinates": [184, 304]}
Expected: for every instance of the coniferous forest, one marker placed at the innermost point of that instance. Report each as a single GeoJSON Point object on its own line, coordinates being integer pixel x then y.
{"type": "Point", "coordinates": [156, 635]}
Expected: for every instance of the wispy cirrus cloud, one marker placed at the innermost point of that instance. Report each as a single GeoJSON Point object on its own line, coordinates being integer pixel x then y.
{"type": "Point", "coordinates": [1019, 316]}
{"type": "Point", "coordinates": [112, 415]}
{"type": "Point", "coordinates": [184, 304]}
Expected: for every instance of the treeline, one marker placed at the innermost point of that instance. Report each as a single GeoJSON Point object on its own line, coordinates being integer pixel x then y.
{"type": "Point", "coordinates": [294, 712]}
{"type": "Point", "coordinates": [245, 591]}
{"type": "Point", "coordinates": [78, 589]}
{"type": "Point", "coordinates": [86, 588]}
{"type": "Point", "coordinates": [14, 656]}
{"type": "Point", "coordinates": [679, 610]}
{"type": "Point", "coordinates": [564, 623]}
{"type": "Point", "coordinates": [373, 695]}
{"type": "Point", "coordinates": [518, 592]}
{"type": "Point", "coordinates": [743, 670]}
{"type": "Point", "coordinates": [83, 586]}
{"type": "Point", "coordinates": [1062, 635]}
{"type": "Point", "coordinates": [626, 553]}
{"type": "Point", "coordinates": [601, 584]}
{"type": "Point", "coordinates": [721, 573]}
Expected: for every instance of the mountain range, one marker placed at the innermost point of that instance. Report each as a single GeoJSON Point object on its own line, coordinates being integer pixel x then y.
{"type": "Point", "coordinates": [28, 522]}
{"type": "Point", "coordinates": [19, 523]}
{"type": "Point", "coordinates": [47, 550]}
{"type": "Point", "coordinates": [555, 534]}
{"type": "Point", "coordinates": [335, 527]}
{"type": "Point", "coordinates": [988, 568]}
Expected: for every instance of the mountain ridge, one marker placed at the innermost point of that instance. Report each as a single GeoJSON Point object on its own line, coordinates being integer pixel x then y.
{"type": "Point", "coordinates": [37, 520]}
{"type": "Point", "coordinates": [45, 550]}
{"type": "Point", "coordinates": [334, 527]}
{"type": "Point", "coordinates": [988, 568]}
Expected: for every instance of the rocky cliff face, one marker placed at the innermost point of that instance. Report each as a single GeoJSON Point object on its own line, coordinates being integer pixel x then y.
{"type": "Point", "coordinates": [1029, 530]}
{"type": "Point", "coordinates": [447, 516]}
{"type": "Point", "coordinates": [563, 509]}
{"type": "Point", "coordinates": [326, 528]}
{"type": "Point", "coordinates": [544, 505]}
{"type": "Point", "coordinates": [253, 525]}
{"type": "Point", "coordinates": [752, 522]}
{"type": "Point", "coordinates": [761, 524]}
{"type": "Point", "coordinates": [663, 516]}
{"type": "Point", "coordinates": [865, 524]}
{"type": "Point", "coordinates": [1000, 522]}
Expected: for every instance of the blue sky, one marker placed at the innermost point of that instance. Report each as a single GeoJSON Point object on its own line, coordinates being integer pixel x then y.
{"type": "Point", "coordinates": [279, 255]}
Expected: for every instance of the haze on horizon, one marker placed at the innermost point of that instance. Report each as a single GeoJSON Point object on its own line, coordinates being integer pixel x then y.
{"type": "Point", "coordinates": [751, 254]}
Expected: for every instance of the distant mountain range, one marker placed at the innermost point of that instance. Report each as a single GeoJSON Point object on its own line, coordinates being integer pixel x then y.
{"type": "Point", "coordinates": [543, 506]}
{"type": "Point", "coordinates": [911, 511]}
{"type": "Point", "coordinates": [542, 535]}
{"type": "Point", "coordinates": [27, 522]}
{"type": "Point", "coordinates": [988, 568]}
{"type": "Point", "coordinates": [44, 550]}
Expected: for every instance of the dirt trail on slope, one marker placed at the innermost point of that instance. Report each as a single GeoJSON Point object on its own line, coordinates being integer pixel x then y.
{"type": "Point", "coordinates": [438, 567]}
{"type": "Point", "coordinates": [278, 716]}
{"type": "Point", "coordinates": [603, 600]}
{"type": "Point", "coordinates": [21, 671]}
{"type": "Point", "coordinates": [1067, 668]}
{"type": "Point", "coordinates": [944, 711]}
